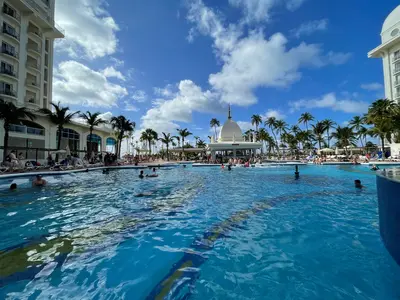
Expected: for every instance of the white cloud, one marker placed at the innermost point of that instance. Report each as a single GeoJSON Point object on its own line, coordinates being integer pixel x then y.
{"type": "Point", "coordinates": [255, 10]}
{"type": "Point", "coordinates": [330, 101]}
{"type": "Point", "coordinates": [260, 10]}
{"type": "Point", "coordinates": [374, 86]}
{"type": "Point", "coordinates": [89, 29]}
{"type": "Point", "coordinates": [130, 106]}
{"type": "Point", "coordinates": [274, 113]}
{"type": "Point", "coordinates": [139, 96]}
{"type": "Point", "coordinates": [245, 60]}
{"type": "Point", "coordinates": [166, 91]}
{"type": "Point", "coordinates": [188, 99]}
{"type": "Point", "coordinates": [292, 5]}
{"type": "Point", "coordinates": [310, 27]}
{"type": "Point", "coordinates": [75, 83]}
{"type": "Point", "coordinates": [244, 125]}
{"type": "Point", "coordinates": [111, 72]}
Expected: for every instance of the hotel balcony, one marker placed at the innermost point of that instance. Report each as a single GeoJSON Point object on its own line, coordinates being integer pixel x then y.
{"type": "Point", "coordinates": [26, 129]}
{"type": "Point", "coordinates": [8, 93]}
{"type": "Point", "coordinates": [396, 58]}
{"type": "Point", "coordinates": [11, 33]}
{"type": "Point", "coordinates": [11, 13]}
{"type": "Point", "coordinates": [31, 65]}
{"type": "Point", "coordinates": [34, 48]}
{"type": "Point", "coordinates": [33, 83]}
{"type": "Point", "coordinates": [34, 33]}
{"type": "Point", "coordinates": [9, 73]}
{"type": "Point", "coordinates": [32, 101]}
{"type": "Point", "coordinates": [13, 54]}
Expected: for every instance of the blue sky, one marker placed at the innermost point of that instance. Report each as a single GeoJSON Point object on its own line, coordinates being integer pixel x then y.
{"type": "Point", "coordinates": [178, 63]}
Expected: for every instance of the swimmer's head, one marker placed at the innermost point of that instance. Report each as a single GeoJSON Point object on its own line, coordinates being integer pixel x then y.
{"type": "Point", "coordinates": [13, 186]}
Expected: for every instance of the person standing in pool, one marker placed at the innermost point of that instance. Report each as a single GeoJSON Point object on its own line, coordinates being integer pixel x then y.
{"type": "Point", "coordinates": [141, 175]}
{"type": "Point", "coordinates": [357, 184]}
{"type": "Point", "coordinates": [154, 173]}
{"type": "Point", "coordinates": [39, 181]}
{"type": "Point", "coordinates": [13, 187]}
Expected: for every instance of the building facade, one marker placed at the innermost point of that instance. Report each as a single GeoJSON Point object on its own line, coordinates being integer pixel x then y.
{"type": "Point", "coordinates": [26, 79]}
{"type": "Point", "coordinates": [389, 52]}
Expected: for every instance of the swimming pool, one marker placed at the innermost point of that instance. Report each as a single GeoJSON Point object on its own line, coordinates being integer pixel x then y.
{"type": "Point", "coordinates": [198, 233]}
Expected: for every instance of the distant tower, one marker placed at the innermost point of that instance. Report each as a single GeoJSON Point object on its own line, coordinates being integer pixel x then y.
{"type": "Point", "coordinates": [389, 51]}
{"type": "Point", "coordinates": [229, 112]}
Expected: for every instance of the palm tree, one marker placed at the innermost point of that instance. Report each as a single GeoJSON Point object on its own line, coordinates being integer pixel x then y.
{"type": "Point", "coordinates": [382, 114]}
{"type": "Point", "coordinates": [305, 118]}
{"type": "Point", "coordinates": [271, 123]}
{"type": "Point", "coordinates": [178, 139]}
{"type": "Point", "coordinates": [214, 123]}
{"type": "Point", "coordinates": [92, 120]}
{"type": "Point", "coordinates": [196, 138]}
{"type": "Point", "coordinates": [149, 135]}
{"type": "Point", "coordinates": [345, 137]}
{"type": "Point", "coordinates": [256, 120]}
{"type": "Point", "coordinates": [281, 127]}
{"type": "Point", "coordinates": [183, 134]}
{"type": "Point", "coordinates": [11, 114]}
{"type": "Point", "coordinates": [328, 125]}
{"type": "Point", "coordinates": [122, 126]}
{"type": "Point", "coordinates": [59, 117]}
{"type": "Point", "coordinates": [318, 132]}
{"type": "Point", "coordinates": [201, 144]}
{"type": "Point", "coordinates": [167, 139]}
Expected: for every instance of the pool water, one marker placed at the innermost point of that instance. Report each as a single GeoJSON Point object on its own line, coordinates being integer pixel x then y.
{"type": "Point", "coordinates": [196, 233]}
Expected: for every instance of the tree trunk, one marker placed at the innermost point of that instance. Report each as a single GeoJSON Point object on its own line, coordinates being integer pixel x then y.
{"type": "Point", "coordinates": [183, 149]}
{"type": "Point", "coordinates": [383, 147]}
{"type": "Point", "coordinates": [90, 139]}
{"type": "Point", "coordinates": [167, 152]}
{"type": "Point", "coordinates": [60, 129]}
{"type": "Point", "coordinates": [327, 131]}
{"type": "Point", "coordinates": [6, 131]}
{"type": "Point", "coordinates": [215, 128]}
{"type": "Point", "coordinates": [319, 144]}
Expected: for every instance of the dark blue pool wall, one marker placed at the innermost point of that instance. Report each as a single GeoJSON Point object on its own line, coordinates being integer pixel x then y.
{"type": "Point", "coordinates": [389, 215]}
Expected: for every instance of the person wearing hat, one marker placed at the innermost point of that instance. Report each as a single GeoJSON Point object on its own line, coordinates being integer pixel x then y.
{"type": "Point", "coordinates": [39, 181]}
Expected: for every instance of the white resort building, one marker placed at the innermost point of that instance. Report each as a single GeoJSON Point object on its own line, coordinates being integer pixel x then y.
{"type": "Point", "coordinates": [26, 78]}
{"type": "Point", "coordinates": [231, 142]}
{"type": "Point", "coordinates": [389, 51]}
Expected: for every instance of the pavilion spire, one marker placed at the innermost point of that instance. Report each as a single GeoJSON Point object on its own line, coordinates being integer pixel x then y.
{"type": "Point", "coordinates": [229, 112]}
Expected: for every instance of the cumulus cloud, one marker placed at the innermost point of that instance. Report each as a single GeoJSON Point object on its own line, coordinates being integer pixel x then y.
{"type": "Point", "coordinates": [75, 83]}
{"type": "Point", "coordinates": [246, 59]}
{"type": "Point", "coordinates": [139, 96]}
{"type": "Point", "coordinates": [310, 27]}
{"type": "Point", "coordinates": [332, 102]}
{"type": "Point", "coordinates": [167, 91]}
{"type": "Point", "coordinates": [274, 113]}
{"type": "Point", "coordinates": [189, 98]}
{"type": "Point", "coordinates": [112, 72]}
{"type": "Point", "coordinates": [374, 86]}
{"type": "Point", "coordinates": [260, 10]}
{"type": "Point", "coordinates": [89, 29]}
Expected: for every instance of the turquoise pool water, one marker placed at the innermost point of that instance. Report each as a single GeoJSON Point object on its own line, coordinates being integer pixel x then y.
{"type": "Point", "coordinates": [196, 233]}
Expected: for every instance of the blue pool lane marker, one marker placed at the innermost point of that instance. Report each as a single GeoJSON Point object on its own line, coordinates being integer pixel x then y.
{"type": "Point", "coordinates": [181, 276]}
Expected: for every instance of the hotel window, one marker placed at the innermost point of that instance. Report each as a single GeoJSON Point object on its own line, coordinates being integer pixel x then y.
{"type": "Point", "coordinates": [397, 79]}
{"type": "Point", "coordinates": [9, 29]}
{"type": "Point", "coordinates": [8, 48]}
{"type": "Point", "coordinates": [397, 67]}
{"type": "Point", "coordinates": [5, 67]}
{"type": "Point", "coordinates": [396, 55]}
{"type": "Point", "coordinates": [9, 11]}
{"type": "Point", "coordinates": [397, 92]}
{"type": "Point", "coordinates": [5, 87]}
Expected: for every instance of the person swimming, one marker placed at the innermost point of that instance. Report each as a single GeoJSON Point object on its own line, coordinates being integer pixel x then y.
{"type": "Point", "coordinates": [106, 171]}
{"type": "Point", "coordinates": [154, 173]}
{"type": "Point", "coordinates": [229, 168]}
{"type": "Point", "coordinates": [296, 172]}
{"type": "Point", "coordinates": [222, 166]}
{"type": "Point", "coordinates": [141, 175]}
{"type": "Point", "coordinates": [374, 168]}
{"type": "Point", "coordinates": [13, 187]}
{"type": "Point", "coordinates": [357, 184]}
{"type": "Point", "coordinates": [39, 181]}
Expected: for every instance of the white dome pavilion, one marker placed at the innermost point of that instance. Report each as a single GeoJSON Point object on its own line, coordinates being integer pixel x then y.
{"type": "Point", "coordinates": [230, 132]}
{"type": "Point", "coordinates": [391, 26]}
